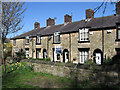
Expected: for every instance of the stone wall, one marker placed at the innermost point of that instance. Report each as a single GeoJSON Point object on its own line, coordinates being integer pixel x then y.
{"type": "Point", "coordinates": [74, 46]}
{"type": "Point", "coordinates": [100, 74]}
{"type": "Point", "coordinates": [95, 42]}
{"type": "Point", "coordinates": [20, 44]}
{"type": "Point", "coordinates": [109, 43]}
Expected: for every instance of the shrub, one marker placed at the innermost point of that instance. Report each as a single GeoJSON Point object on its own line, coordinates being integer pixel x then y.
{"type": "Point", "coordinates": [47, 59]}
{"type": "Point", "coordinates": [19, 55]}
{"type": "Point", "coordinates": [37, 59]}
{"type": "Point", "coordinates": [90, 62]}
{"type": "Point", "coordinates": [108, 60]}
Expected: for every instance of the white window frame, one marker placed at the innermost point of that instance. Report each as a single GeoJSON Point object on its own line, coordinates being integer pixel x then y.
{"type": "Point", "coordinates": [118, 32]}
{"type": "Point", "coordinates": [38, 39]}
{"type": "Point", "coordinates": [83, 56]}
{"type": "Point", "coordinates": [27, 39]}
{"type": "Point", "coordinates": [56, 34]}
{"type": "Point", "coordinates": [84, 34]}
{"type": "Point", "coordinates": [27, 53]}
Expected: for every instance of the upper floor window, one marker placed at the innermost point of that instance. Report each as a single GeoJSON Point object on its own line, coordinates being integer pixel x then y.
{"type": "Point", "coordinates": [118, 34]}
{"type": "Point", "coordinates": [38, 39]}
{"type": "Point", "coordinates": [14, 42]}
{"type": "Point", "coordinates": [27, 40]}
{"type": "Point", "coordinates": [83, 34]}
{"type": "Point", "coordinates": [57, 37]}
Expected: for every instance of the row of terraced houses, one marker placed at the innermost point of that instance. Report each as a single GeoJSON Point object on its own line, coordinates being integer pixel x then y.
{"type": "Point", "coordinates": [89, 39]}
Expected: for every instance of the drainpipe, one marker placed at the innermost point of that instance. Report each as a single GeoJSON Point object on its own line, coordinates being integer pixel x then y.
{"type": "Point", "coordinates": [103, 42]}
{"type": "Point", "coordinates": [32, 48]}
{"type": "Point", "coordinates": [70, 45]}
{"type": "Point", "coordinates": [47, 47]}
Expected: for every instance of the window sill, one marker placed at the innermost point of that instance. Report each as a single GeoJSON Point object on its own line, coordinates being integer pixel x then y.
{"type": "Point", "coordinates": [117, 40]}
{"type": "Point", "coordinates": [27, 44]}
{"type": "Point", "coordinates": [56, 43]}
{"type": "Point", "coordinates": [84, 41]}
{"type": "Point", "coordinates": [38, 43]}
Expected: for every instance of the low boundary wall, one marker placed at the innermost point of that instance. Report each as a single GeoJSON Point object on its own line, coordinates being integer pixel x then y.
{"type": "Point", "coordinates": [108, 74]}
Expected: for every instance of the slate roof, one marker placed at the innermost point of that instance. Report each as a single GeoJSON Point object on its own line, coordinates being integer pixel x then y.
{"type": "Point", "coordinates": [103, 22]}
{"type": "Point", "coordinates": [32, 33]}
{"type": "Point", "coordinates": [95, 23]}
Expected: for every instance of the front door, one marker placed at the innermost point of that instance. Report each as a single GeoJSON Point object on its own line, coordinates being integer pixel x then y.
{"type": "Point", "coordinates": [66, 57]}
{"type": "Point", "coordinates": [98, 58]}
{"type": "Point", "coordinates": [38, 53]}
{"type": "Point", "coordinates": [56, 57]}
{"type": "Point", "coordinates": [44, 54]}
{"type": "Point", "coordinates": [57, 53]}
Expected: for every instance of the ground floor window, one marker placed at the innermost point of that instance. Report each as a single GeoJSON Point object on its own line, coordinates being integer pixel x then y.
{"type": "Point", "coordinates": [83, 55]}
{"type": "Point", "coordinates": [27, 52]}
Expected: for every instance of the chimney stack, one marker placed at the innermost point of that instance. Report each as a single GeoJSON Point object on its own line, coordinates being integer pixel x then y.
{"type": "Point", "coordinates": [67, 19]}
{"type": "Point", "coordinates": [50, 22]}
{"type": "Point", "coordinates": [118, 8]}
{"type": "Point", "coordinates": [36, 25]}
{"type": "Point", "coordinates": [89, 13]}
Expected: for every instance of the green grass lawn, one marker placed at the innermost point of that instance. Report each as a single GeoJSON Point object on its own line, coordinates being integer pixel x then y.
{"type": "Point", "coordinates": [34, 80]}
{"type": "Point", "coordinates": [26, 78]}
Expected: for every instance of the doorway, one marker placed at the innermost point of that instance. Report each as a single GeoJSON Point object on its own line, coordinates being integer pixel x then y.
{"type": "Point", "coordinates": [38, 53]}
{"type": "Point", "coordinates": [44, 53]}
{"type": "Point", "coordinates": [65, 55]}
{"type": "Point", "coordinates": [98, 56]}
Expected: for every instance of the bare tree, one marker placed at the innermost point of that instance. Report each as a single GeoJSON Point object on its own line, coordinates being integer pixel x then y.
{"type": "Point", "coordinates": [12, 16]}
{"type": "Point", "coordinates": [104, 4]}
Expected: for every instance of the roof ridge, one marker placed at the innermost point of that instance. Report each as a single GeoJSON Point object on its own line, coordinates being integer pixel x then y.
{"type": "Point", "coordinates": [104, 16]}
{"type": "Point", "coordinates": [39, 30]}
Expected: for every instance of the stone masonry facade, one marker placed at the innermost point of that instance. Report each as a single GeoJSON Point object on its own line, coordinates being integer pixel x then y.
{"type": "Point", "coordinates": [103, 39]}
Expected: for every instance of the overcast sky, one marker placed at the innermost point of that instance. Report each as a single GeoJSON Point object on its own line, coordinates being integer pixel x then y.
{"type": "Point", "coordinates": [40, 11]}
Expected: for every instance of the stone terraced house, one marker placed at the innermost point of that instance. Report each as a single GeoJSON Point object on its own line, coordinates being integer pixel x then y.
{"type": "Point", "coordinates": [90, 39]}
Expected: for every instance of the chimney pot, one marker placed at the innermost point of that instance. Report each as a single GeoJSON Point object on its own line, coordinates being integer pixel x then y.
{"type": "Point", "coordinates": [36, 25]}
{"type": "Point", "coordinates": [50, 22]}
{"type": "Point", "coordinates": [67, 18]}
{"type": "Point", "coordinates": [89, 13]}
{"type": "Point", "coordinates": [118, 8]}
